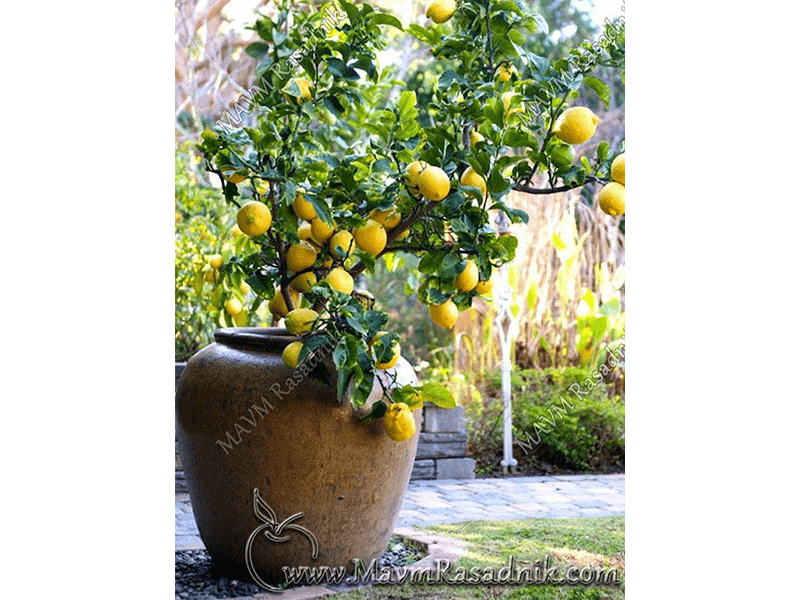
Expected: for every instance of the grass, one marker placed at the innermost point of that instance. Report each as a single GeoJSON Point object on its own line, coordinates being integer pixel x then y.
{"type": "Point", "coordinates": [592, 542]}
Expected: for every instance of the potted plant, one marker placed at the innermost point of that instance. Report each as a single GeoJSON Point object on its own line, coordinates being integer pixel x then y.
{"type": "Point", "coordinates": [298, 441]}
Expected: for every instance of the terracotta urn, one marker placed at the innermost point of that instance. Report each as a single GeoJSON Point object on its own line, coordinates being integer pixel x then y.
{"type": "Point", "coordinates": [280, 473]}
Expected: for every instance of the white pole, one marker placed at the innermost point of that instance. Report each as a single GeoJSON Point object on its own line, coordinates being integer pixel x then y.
{"type": "Point", "coordinates": [506, 325]}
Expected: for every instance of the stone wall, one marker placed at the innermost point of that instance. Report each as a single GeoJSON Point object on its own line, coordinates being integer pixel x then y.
{"type": "Point", "coordinates": [441, 453]}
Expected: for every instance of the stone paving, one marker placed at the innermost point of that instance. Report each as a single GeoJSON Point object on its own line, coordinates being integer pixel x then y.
{"type": "Point", "coordinates": [454, 500]}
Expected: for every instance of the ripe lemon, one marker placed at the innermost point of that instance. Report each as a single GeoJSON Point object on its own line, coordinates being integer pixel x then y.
{"type": "Point", "coordinates": [507, 96]}
{"type": "Point", "coordinates": [399, 422]}
{"type": "Point", "coordinates": [392, 221]}
{"type": "Point", "coordinates": [576, 125]}
{"type": "Point", "coordinates": [395, 353]}
{"type": "Point", "coordinates": [233, 306]}
{"type": "Point", "coordinates": [340, 280]}
{"type": "Point", "coordinates": [300, 256]}
{"type": "Point", "coordinates": [304, 232]}
{"type": "Point", "coordinates": [303, 208]}
{"type": "Point", "coordinates": [612, 199]}
{"type": "Point", "coordinates": [618, 169]}
{"type": "Point", "coordinates": [291, 354]}
{"type": "Point", "coordinates": [379, 216]}
{"type": "Point", "coordinates": [371, 237]}
{"type": "Point", "coordinates": [470, 177]}
{"type": "Point", "coordinates": [210, 274]}
{"type": "Point", "coordinates": [305, 90]}
{"type": "Point", "coordinates": [254, 218]}
{"type": "Point", "coordinates": [301, 320]}
{"type": "Point", "coordinates": [230, 173]}
{"type": "Point", "coordinates": [320, 231]}
{"type": "Point", "coordinates": [341, 244]}
{"type": "Point", "coordinates": [484, 288]}
{"type": "Point", "coordinates": [468, 278]}
{"type": "Point", "coordinates": [444, 315]}
{"type": "Point", "coordinates": [240, 320]}
{"type": "Point", "coordinates": [303, 282]}
{"type": "Point", "coordinates": [277, 306]}
{"type": "Point", "coordinates": [413, 171]}
{"type": "Point", "coordinates": [505, 72]}
{"type": "Point", "coordinates": [475, 136]}
{"type": "Point", "coordinates": [244, 287]}
{"type": "Point", "coordinates": [434, 183]}
{"type": "Point", "coordinates": [215, 260]}
{"type": "Point", "coordinates": [440, 11]}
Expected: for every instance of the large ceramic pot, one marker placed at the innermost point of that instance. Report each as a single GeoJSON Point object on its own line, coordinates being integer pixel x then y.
{"type": "Point", "coordinates": [279, 473]}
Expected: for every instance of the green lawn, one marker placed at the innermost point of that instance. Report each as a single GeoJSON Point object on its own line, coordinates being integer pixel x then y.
{"type": "Point", "coordinates": [580, 542]}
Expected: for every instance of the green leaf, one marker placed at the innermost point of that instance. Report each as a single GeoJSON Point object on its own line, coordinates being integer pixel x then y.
{"type": "Point", "coordinates": [351, 10]}
{"type": "Point", "coordinates": [340, 69]}
{"type": "Point", "coordinates": [257, 49]}
{"type": "Point", "coordinates": [385, 19]}
{"type": "Point", "coordinates": [600, 88]}
{"type": "Point", "coordinates": [437, 394]}
{"type": "Point", "coordinates": [333, 104]}
{"type": "Point", "coordinates": [378, 410]}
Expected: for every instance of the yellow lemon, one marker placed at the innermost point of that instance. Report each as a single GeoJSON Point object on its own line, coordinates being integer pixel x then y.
{"type": "Point", "coordinates": [291, 354]}
{"type": "Point", "coordinates": [230, 173]}
{"type": "Point", "coordinates": [254, 218]}
{"type": "Point", "coordinates": [576, 125]}
{"type": "Point", "coordinates": [440, 11]}
{"type": "Point", "coordinates": [475, 136]}
{"type": "Point", "coordinates": [233, 306]}
{"type": "Point", "coordinates": [301, 320]}
{"type": "Point", "coordinates": [303, 208]}
{"type": "Point", "coordinates": [240, 319]}
{"type": "Point", "coordinates": [320, 231]}
{"type": "Point", "coordinates": [399, 421]}
{"type": "Point", "coordinates": [618, 169]}
{"type": "Point", "coordinates": [340, 280]}
{"type": "Point", "coordinates": [395, 353]}
{"type": "Point", "coordinates": [215, 260]}
{"type": "Point", "coordinates": [371, 237]}
{"type": "Point", "coordinates": [300, 256]}
{"type": "Point", "coordinates": [392, 221]}
{"type": "Point", "coordinates": [484, 288]}
{"type": "Point", "coordinates": [178, 217]}
{"type": "Point", "coordinates": [505, 72]}
{"type": "Point", "coordinates": [277, 306]}
{"type": "Point", "coordinates": [210, 274]}
{"type": "Point", "coordinates": [434, 183]}
{"type": "Point", "coordinates": [303, 282]}
{"type": "Point", "coordinates": [305, 90]}
{"type": "Point", "coordinates": [444, 315]}
{"type": "Point", "coordinates": [413, 171]}
{"type": "Point", "coordinates": [470, 177]}
{"type": "Point", "coordinates": [304, 232]}
{"type": "Point", "coordinates": [468, 278]}
{"type": "Point", "coordinates": [341, 244]}
{"type": "Point", "coordinates": [244, 287]}
{"type": "Point", "coordinates": [379, 216]}
{"type": "Point", "coordinates": [612, 199]}
{"type": "Point", "coordinates": [507, 96]}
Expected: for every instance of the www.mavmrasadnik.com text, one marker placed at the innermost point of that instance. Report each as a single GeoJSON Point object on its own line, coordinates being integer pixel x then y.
{"type": "Point", "coordinates": [515, 572]}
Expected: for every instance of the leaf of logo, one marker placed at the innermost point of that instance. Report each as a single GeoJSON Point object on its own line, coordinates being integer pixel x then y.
{"type": "Point", "coordinates": [273, 531]}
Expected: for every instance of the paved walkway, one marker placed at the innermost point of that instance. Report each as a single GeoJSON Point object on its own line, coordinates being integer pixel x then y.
{"type": "Point", "coordinates": [453, 500]}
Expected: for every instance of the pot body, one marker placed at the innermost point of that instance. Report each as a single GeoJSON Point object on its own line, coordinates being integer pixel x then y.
{"type": "Point", "coordinates": [262, 443]}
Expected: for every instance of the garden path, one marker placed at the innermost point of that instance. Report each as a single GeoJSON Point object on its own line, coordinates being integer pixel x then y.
{"type": "Point", "coordinates": [453, 500]}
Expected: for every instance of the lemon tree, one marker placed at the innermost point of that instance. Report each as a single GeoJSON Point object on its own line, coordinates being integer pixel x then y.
{"type": "Point", "coordinates": [350, 172]}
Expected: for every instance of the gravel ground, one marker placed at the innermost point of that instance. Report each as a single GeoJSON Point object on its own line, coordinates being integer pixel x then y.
{"type": "Point", "coordinates": [196, 578]}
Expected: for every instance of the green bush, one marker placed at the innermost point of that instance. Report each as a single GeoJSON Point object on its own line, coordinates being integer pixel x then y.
{"type": "Point", "coordinates": [582, 428]}
{"type": "Point", "coordinates": [203, 226]}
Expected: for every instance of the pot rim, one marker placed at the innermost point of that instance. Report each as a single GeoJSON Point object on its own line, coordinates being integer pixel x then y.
{"type": "Point", "coordinates": [261, 338]}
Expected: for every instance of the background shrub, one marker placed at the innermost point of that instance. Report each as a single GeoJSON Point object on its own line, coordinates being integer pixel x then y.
{"type": "Point", "coordinates": [556, 428]}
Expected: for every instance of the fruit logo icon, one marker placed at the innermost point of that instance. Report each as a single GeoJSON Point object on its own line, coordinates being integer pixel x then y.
{"type": "Point", "coordinates": [274, 532]}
